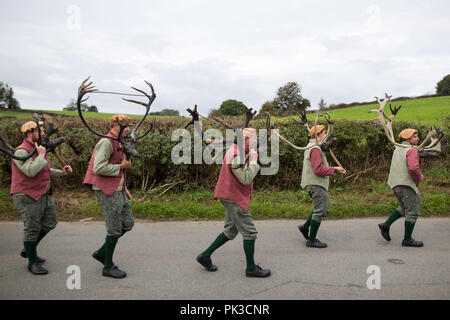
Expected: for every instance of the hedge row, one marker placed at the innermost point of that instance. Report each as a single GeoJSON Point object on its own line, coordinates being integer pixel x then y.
{"type": "Point", "coordinates": [359, 146]}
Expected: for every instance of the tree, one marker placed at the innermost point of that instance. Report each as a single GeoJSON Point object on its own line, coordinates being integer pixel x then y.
{"type": "Point", "coordinates": [165, 112]}
{"type": "Point", "coordinates": [269, 107]}
{"type": "Point", "coordinates": [92, 109]}
{"type": "Point", "coordinates": [443, 86]}
{"type": "Point", "coordinates": [322, 104]}
{"type": "Point", "coordinates": [214, 113]}
{"type": "Point", "coordinates": [289, 100]}
{"type": "Point", "coordinates": [7, 99]}
{"type": "Point", "coordinates": [72, 106]}
{"type": "Point", "coordinates": [232, 108]}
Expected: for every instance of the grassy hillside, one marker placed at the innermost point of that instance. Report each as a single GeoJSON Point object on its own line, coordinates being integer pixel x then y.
{"type": "Point", "coordinates": [426, 110]}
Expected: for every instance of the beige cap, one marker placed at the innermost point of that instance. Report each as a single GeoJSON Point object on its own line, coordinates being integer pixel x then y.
{"type": "Point", "coordinates": [123, 119]}
{"type": "Point", "coordinates": [30, 126]}
{"type": "Point", "coordinates": [407, 134]}
{"type": "Point", "coordinates": [319, 129]}
{"type": "Point", "coordinates": [249, 132]}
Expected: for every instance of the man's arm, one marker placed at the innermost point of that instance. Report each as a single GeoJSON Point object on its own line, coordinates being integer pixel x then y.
{"type": "Point", "coordinates": [31, 167]}
{"type": "Point", "coordinates": [245, 173]}
{"type": "Point", "coordinates": [317, 164]}
{"type": "Point", "coordinates": [103, 151]}
{"type": "Point", "coordinates": [55, 173]}
{"type": "Point", "coordinates": [412, 158]}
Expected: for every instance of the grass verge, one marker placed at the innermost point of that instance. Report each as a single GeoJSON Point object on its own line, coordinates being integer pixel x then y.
{"type": "Point", "coordinates": [357, 201]}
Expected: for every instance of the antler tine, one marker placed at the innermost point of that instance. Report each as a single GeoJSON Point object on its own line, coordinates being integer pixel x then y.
{"type": "Point", "coordinates": [149, 129]}
{"type": "Point", "coordinates": [385, 121]}
{"type": "Point", "coordinates": [2, 138]}
{"type": "Point", "coordinates": [315, 128]}
{"type": "Point", "coordinates": [435, 136]}
{"type": "Point", "coordinates": [151, 98]}
{"type": "Point", "coordinates": [304, 120]}
{"type": "Point", "coordinates": [223, 122]}
{"type": "Point", "coordinates": [147, 106]}
{"type": "Point", "coordinates": [194, 115]}
{"type": "Point", "coordinates": [248, 116]}
{"type": "Point", "coordinates": [82, 90]}
{"type": "Point", "coordinates": [327, 117]}
{"type": "Point", "coordinates": [134, 101]}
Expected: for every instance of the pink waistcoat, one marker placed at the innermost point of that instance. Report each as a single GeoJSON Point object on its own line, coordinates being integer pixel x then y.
{"type": "Point", "coordinates": [32, 187]}
{"type": "Point", "coordinates": [228, 187]}
{"type": "Point", "coordinates": [107, 184]}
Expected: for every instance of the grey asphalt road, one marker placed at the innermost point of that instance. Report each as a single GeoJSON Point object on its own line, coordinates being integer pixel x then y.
{"type": "Point", "coordinates": [159, 258]}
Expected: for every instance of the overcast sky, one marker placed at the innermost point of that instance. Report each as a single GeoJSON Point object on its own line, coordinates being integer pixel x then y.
{"type": "Point", "coordinates": [205, 52]}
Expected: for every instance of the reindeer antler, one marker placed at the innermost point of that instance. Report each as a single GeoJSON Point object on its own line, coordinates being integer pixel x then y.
{"type": "Point", "coordinates": [128, 146]}
{"type": "Point", "coordinates": [248, 116]}
{"type": "Point", "coordinates": [304, 122]}
{"type": "Point", "coordinates": [435, 135]}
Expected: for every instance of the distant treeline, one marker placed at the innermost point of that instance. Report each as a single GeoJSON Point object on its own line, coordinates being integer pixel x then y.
{"type": "Point", "coordinates": [354, 104]}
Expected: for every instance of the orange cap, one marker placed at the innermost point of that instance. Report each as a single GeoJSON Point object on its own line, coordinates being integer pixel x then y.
{"type": "Point", "coordinates": [123, 119]}
{"type": "Point", "coordinates": [30, 126]}
{"type": "Point", "coordinates": [319, 129]}
{"type": "Point", "coordinates": [407, 134]}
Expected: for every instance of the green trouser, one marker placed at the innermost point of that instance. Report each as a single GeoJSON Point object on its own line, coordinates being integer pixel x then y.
{"type": "Point", "coordinates": [321, 202]}
{"type": "Point", "coordinates": [409, 203]}
{"type": "Point", "coordinates": [117, 212]}
{"type": "Point", "coordinates": [37, 215]}
{"type": "Point", "coordinates": [119, 219]}
{"type": "Point", "coordinates": [236, 220]}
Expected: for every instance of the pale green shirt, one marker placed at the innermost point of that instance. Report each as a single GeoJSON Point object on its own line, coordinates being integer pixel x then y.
{"type": "Point", "coordinates": [244, 173]}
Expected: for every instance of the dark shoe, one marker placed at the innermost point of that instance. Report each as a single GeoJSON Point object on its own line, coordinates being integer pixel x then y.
{"type": "Point", "coordinates": [114, 272]}
{"type": "Point", "coordinates": [36, 268]}
{"type": "Point", "coordinates": [384, 231]}
{"type": "Point", "coordinates": [99, 257]}
{"type": "Point", "coordinates": [23, 254]}
{"type": "Point", "coordinates": [412, 243]}
{"type": "Point", "coordinates": [206, 262]}
{"type": "Point", "coordinates": [258, 272]}
{"type": "Point", "coordinates": [316, 244]}
{"type": "Point", "coordinates": [304, 231]}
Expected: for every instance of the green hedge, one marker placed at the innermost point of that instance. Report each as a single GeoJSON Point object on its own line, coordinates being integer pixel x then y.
{"type": "Point", "coordinates": [360, 145]}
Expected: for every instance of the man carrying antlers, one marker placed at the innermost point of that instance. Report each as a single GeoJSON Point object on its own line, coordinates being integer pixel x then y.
{"type": "Point", "coordinates": [405, 174]}
{"type": "Point", "coordinates": [315, 177]}
{"type": "Point", "coordinates": [234, 188]}
{"type": "Point", "coordinates": [105, 175]}
{"type": "Point", "coordinates": [404, 177]}
{"type": "Point", "coordinates": [31, 190]}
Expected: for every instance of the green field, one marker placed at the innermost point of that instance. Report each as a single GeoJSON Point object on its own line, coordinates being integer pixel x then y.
{"type": "Point", "coordinates": [425, 110]}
